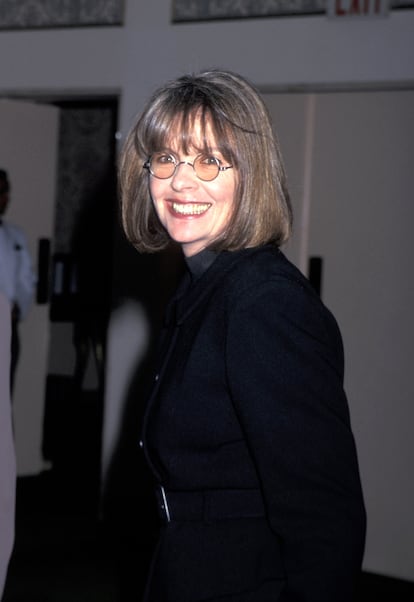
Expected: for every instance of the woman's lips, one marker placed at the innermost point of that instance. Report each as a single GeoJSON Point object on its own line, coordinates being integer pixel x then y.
{"type": "Point", "coordinates": [188, 209]}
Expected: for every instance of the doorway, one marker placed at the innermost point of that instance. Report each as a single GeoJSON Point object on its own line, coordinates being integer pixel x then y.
{"type": "Point", "coordinates": [60, 154]}
{"type": "Point", "coordinates": [80, 301]}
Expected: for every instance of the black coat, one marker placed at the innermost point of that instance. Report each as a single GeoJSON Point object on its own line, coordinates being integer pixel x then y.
{"type": "Point", "coordinates": [248, 403]}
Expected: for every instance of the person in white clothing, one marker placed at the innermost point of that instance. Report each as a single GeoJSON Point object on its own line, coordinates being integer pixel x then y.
{"type": "Point", "coordinates": [17, 279]}
{"type": "Point", "coordinates": [7, 456]}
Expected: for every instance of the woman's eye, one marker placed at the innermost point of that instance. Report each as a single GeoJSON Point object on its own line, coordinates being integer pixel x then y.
{"type": "Point", "coordinates": [209, 160]}
{"type": "Point", "coordinates": [164, 158]}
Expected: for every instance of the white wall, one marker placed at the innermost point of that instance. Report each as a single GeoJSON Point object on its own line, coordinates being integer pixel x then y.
{"type": "Point", "coordinates": [271, 52]}
{"type": "Point", "coordinates": [359, 221]}
{"type": "Point", "coordinates": [287, 51]}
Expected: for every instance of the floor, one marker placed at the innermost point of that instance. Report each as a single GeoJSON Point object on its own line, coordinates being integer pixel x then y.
{"type": "Point", "coordinates": [64, 553]}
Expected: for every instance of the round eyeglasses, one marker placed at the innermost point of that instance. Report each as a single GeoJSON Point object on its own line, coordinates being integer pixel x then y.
{"type": "Point", "coordinates": [163, 165]}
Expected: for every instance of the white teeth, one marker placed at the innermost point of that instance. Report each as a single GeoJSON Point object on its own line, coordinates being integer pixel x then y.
{"type": "Point", "coordinates": [191, 208]}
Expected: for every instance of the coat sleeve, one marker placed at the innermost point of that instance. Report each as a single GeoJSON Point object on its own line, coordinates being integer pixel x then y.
{"type": "Point", "coordinates": [285, 369]}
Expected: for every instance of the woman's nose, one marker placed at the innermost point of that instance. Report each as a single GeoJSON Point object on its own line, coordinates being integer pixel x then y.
{"type": "Point", "coordinates": [184, 176]}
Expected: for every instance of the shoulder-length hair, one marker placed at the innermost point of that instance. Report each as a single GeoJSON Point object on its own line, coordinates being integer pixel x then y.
{"type": "Point", "coordinates": [238, 118]}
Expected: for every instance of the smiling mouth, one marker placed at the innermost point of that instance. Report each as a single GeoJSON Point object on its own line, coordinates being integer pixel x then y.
{"type": "Point", "coordinates": [190, 208]}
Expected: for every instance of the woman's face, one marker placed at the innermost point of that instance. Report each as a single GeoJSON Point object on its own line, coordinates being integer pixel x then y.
{"type": "Point", "coordinates": [194, 212]}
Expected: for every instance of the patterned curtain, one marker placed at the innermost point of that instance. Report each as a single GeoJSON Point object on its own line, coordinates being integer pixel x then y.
{"type": "Point", "coordinates": [32, 14]}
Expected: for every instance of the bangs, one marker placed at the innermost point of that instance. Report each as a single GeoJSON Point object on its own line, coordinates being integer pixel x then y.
{"type": "Point", "coordinates": [174, 128]}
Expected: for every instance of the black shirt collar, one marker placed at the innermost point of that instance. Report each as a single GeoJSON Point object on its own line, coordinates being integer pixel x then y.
{"type": "Point", "coordinates": [199, 263]}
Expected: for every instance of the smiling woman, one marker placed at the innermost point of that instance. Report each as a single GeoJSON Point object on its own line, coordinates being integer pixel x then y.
{"type": "Point", "coordinates": [246, 432]}
{"type": "Point", "coordinates": [194, 197]}
{"type": "Point", "coordinates": [228, 124]}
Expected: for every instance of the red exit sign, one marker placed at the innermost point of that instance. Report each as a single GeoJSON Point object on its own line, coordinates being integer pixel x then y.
{"type": "Point", "coordinates": [357, 8]}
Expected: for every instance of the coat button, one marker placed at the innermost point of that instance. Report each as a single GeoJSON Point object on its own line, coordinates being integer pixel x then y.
{"type": "Point", "coordinates": [141, 443]}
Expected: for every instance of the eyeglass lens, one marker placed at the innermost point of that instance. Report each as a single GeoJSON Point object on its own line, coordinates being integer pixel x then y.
{"type": "Point", "coordinates": [163, 165]}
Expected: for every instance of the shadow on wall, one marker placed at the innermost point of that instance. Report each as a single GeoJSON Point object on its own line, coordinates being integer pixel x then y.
{"type": "Point", "coordinates": [128, 508]}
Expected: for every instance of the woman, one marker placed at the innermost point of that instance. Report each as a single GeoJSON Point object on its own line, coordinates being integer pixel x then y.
{"type": "Point", "coordinates": [247, 429]}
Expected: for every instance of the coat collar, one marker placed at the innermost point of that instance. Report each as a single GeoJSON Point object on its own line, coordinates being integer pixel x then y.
{"type": "Point", "coordinates": [199, 263]}
{"type": "Point", "coordinates": [190, 295]}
